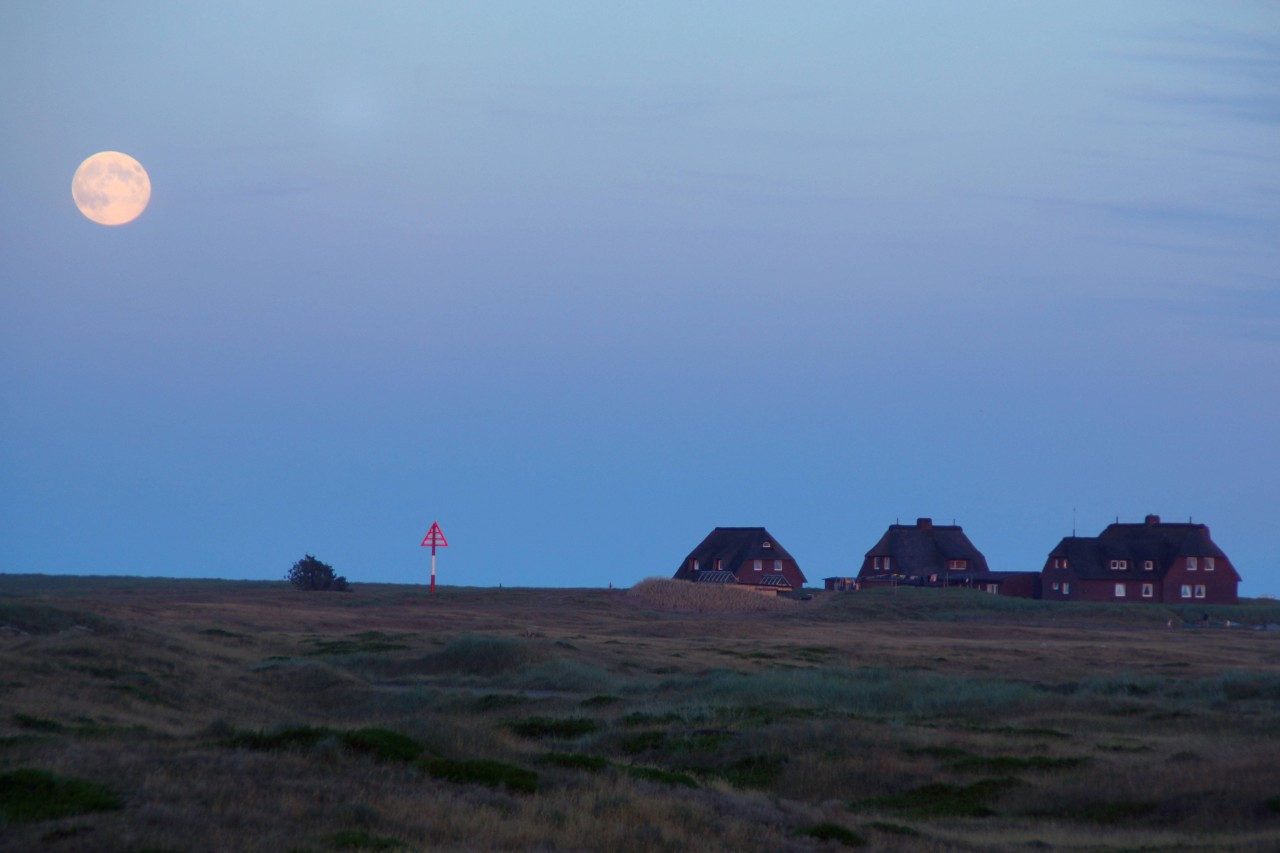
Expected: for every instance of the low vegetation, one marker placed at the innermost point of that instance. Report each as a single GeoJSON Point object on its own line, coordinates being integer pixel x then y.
{"type": "Point", "coordinates": [209, 715]}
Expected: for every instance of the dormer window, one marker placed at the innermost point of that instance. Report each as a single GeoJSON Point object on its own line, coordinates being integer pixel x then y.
{"type": "Point", "coordinates": [758, 565]}
{"type": "Point", "coordinates": [767, 545]}
{"type": "Point", "coordinates": [693, 565]}
{"type": "Point", "coordinates": [1208, 564]}
{"type": "Point", "coordinates": [719, 565]}
{"type": "Point", "coordinates": [1191, 564]}
{"type": "Point", "coordinates": [1148, 565]}
{"type": "Point", "coordinates": [1059, 562]}
{"type": "Point", "coordinates": [777, 565]}
{"type": "Point", "coordinates": [1119, 565]}
{"type": "Point", "coordinates": [957, 565]}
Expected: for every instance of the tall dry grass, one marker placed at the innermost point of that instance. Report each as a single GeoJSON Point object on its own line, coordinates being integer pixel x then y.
{"type": "Point", "coordinates": [683, 596]}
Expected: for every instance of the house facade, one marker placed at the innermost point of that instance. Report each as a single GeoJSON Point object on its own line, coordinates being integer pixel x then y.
{"type": "Point", "coordinates": [1151, 562]}
{"type": "Point", "coordinates": [924, 554]}
{"type": "Point", "coordinates": [749, 556]}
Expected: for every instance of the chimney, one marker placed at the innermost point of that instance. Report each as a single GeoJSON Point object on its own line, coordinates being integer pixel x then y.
{"type": "Point", "coordinates": [1153, 520]}
{"type": "Point", "coordinates": [924, 523]}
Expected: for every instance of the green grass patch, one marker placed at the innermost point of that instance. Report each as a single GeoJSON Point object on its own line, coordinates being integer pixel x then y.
{"type": "Point", "coordinates": [366, 642]}
{"type": "Point", "coordinates": [358, 839]}
{"type": "Point", "coordinates": [500, 701]}
{"type": "Point", "coordinates": [600, 701]}
{"type": "Point", "coordinates": [834, 832]}
{"type": "Point", "coordinates": [28, 795]}
{"type": "Point", "coordinates": [38, 724]}
{"type": "Point", "coordinates": [537, 727]}
{"type": "Point", "coordinates": [221, 632]}
{"type": "Point", "coordinates": [1110, 812]}
{"type": "Point", "coordinates": [893, 829]}
{"type": "Point", "coordinates": [939, 799]}
{"type": "Point", "coordinates": [642, 742]}
{"type": "Point", "coordinates": [1272, 804]}
{"type": "Point", "coordinates": [1008, 764]}
{"type": "Point", "coordinates": [494, 774]}
{"type": "Point", "coordinates": [575, 761]}
{"type": "Point", "coordinates": [295, 737]}
{"type": "Point", "coordinates": [751, 771]}
{"type": "Point", "coordinates": [665, 777]}
{"type": "Point", "coordinates": [382, 744]}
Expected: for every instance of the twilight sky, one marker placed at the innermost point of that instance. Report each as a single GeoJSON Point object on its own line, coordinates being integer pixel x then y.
{"type": "Point", "coordinates": [583, 282]}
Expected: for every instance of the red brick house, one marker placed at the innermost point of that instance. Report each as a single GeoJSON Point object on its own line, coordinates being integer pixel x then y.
{"type": "Point", "coordinates": [1149, 562]}
{"type": "Point", "coordinates": [923, 554]}
{"type": "Point", "coordinates": [749, 556]}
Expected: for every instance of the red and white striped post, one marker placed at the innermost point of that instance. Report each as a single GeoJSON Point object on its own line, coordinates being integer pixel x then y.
{"type": "Point", "coordinates": [434, 538]}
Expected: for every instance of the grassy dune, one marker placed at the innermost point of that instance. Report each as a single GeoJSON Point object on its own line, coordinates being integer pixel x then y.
{"type": "Point", "coordinates": [215, 715]}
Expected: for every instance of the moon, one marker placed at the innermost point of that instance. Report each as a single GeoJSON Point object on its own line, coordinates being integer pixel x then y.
{"type": "Point", "coordinates": [111, 188]}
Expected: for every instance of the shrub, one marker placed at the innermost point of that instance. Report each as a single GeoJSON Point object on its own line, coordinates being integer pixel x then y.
{"type": "Point", "coordinates": [494, 774]}
{"type": "Point", "coordinates": [28, 795]}
{"type": "Point", "coordinates": [382, 744]}
{"type": "Point", "coordinates": [939, 799]}
{"type": "Point", "coordinates": [311, 574]}
{"type": "Point", "coordinates": [666, 777]}
{"type": "Point", "coordinates": [550, 727]}
{"type": "Point", "coordinates": [834, 832]}
{"type": "Point", "coordinates": [575, 761]}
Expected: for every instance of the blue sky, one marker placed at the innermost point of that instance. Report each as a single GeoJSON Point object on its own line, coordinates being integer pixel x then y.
{"type": "Point", "coordinates": [582, 283]}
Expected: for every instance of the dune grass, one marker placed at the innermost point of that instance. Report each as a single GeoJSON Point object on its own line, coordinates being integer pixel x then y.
{"type": "Point", "coordinates": [259, 719]}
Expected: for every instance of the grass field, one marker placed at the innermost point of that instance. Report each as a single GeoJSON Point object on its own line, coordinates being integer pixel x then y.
{"type": "Point", "coordinates": [150, 714]}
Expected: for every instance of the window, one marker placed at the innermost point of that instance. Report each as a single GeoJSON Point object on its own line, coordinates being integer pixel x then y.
{"type": "Point", "coordinates": [959, 565]}
{"type": "Point", "coordinates": [1186, 590]}
{"type": "Point", "coordinates": [1055, 586]}
{"type": "Point", "coordinates": [886, 564]}
{"type": "Point", "coordinates": [1059, 562]}
{"type": "Point", "coordinates": [1149, 565]}
{"type": "Point", "coordinates": [1066, 589]}
{"type": "Point", "coordinates": [759, 565]}
{"type": "Point", "coordinates": [693, 565]}
{"type": "Point", "coordinates": [1191, 564]}
{"type": "Point", "coordinates": [1199, 590]}
{"type": "Point", "coordinates": [875, 563]}
{"type": "Point", "coordinates": [1119, 590]}
{"type": "Point", "coordinates": [1148, 590]}
{"type": "Point", "coordinates": [1119, 565]}
{"type": "Point", "coordinates": [767, 545]}
{"type": "Point", "coordinates": [777, 565]}
{"type": "Point", "coordinates": [1208, 564]}
{"type": "Point", "coordinates": [719, 565]}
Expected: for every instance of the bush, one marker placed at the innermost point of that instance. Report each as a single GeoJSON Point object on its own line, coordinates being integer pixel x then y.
{"type": "Point", "coordinates": [494, 774]}
{"type": "Point", "coordinates": [28, 795]}
{"type": "Point", "coordinates": [834, 832]}
{"type": "Point", "coordinates": [309, 573]}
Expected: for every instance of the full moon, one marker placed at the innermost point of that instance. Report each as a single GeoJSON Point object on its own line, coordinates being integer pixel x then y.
{"type": "Point", "coordinates": [111, 188]}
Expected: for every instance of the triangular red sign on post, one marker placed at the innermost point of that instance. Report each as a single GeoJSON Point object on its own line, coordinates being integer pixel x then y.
{"type": "Point", "coordinates": [435, 537]}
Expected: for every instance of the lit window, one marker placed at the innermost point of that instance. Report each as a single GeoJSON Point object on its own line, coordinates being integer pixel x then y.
{"type": "Point", "coordinates": [1148, 590]}
{"type": "Point", "coordinates": [1119, 565]}
{"type": "Point", "coordinates": [777, 565]}
{"type": "Point", "coordinates": [1199, 590]}
{"type": "Point", "coordinates": [1148, 566]}
{"type": "Point", "coordinates": [1191, 564]}
{"type": "Point", "coordinates": [957, 564]}
{"type": "Point", "coordinates": [1208, 564]}
{"type": "Point", "coordinates": [759, 565]}
{"type": "Point", "coordinates": [693, 565]}
{"type": "Point", "coordinates": [1059, 562]}
{"type": "Point", "coordinates": [1119, 590]}
{"type": "Point", "coordinates": [719, 565]}
{"type": "Point", "coordinates": [1186, 590]}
